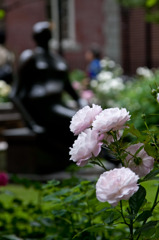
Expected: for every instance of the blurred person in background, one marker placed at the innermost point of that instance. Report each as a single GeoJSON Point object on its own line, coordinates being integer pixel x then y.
{"type": "Point", "coordinates": [93, 57]}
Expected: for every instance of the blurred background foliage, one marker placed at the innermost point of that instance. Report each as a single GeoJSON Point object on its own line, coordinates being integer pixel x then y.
{"type": "Point", "coordinates": [151, 8]}
{"type": "Point", "coordinates": [61, 210]}
{"type": "Point", "coordinates": [113, 89]}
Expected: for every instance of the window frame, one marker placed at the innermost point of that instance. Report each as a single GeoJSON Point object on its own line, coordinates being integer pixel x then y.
{"type": "Point", "coordinates": [70, 42]}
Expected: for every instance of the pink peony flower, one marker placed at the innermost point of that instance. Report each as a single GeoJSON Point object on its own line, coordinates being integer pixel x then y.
{"type": "Point", "coordinates": [158, 97]}
{"type": "Point", "coordinates": [115, 185]}
{"type": "Point", "coordinates": [141, 163]}
{"type": "Point", "coordinates": [87, 145]}
{"type": "Point", "coordinates": [3, 179]}
{"type": "Point", "coordinates": [84, 118]}
{"type": "Point", "coordinates": [111, 119]}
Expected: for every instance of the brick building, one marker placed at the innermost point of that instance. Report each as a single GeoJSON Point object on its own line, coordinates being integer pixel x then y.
{"type": "Point", "coordinates": [140, 44]}
{"type": "Point", "coordinates": [122, 34]}
{"type": "Point", "coordinates": [84, 22]}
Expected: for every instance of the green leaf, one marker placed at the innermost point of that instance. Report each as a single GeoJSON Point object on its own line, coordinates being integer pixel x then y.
{"type": "Point", "coordinates": [73, 197]}
{"type": "Point", "coordinates": [144, 215]}
{"type": "Point", "coordinates": [35, 224]}
{"type": "Point", "coordinates": [157, 233]}
{"type": "Point", "coordinates": [147, 229]}
{"type": "Point", "coordinates": [111, 216]}
{"type": "Point", "coordinates": [91, 228]}
{"type": "Point", "coordinates": [51, 197]}
{"type": "Point", "coordinates": [102, 210]}
{"type": "Point", "coordinates": [63, 191]}
{"type": "Point", "coordinates": [136, 201]}
{"type": "Point", "coordinates": [151, 150]}
{"type": "Point", "coordinates": [150, 176]}
{"type": "Point", "coordinates": [134, 131]}
{"type": "Point", "coordinates": [51, 183]}
{"type": "Point", "coordinates": [131, 216]}
{"type": "Point", "coordinates": [46, 221]}
{"type": "Point", "coordinates": [59, 212]}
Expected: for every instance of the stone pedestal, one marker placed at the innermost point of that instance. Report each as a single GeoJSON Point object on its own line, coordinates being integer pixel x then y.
{"type": "Point", "coordinates": [27, 154]}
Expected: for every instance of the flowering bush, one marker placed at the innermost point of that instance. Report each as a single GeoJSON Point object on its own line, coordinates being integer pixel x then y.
{"type": "Point", "coordinates": [135, 97]}
{"type": "Point", "coordinates": [119, 203]}
{"type": "Point", "coordinates": [144, 72]}
{"type": "Point", "coordinates": [138, 155]}
{"type": "Point", "coordinates": [112, 89]}
{"type": "Point", "coordinates": [108, 83]}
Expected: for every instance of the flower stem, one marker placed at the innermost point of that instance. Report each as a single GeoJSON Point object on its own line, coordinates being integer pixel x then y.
{"type": "Point", "coordinates": [121, 206]}
{"type": "Point", "coordinates": [101, 164]}
{"type": "Point", "coordinates": [131, 230]}
{"type": "Point", "coordinates": [152, 135]}
{"type": "Point", "coordinates": [129, 225]}
{"type": "Point", "coordinates": [155, 200]}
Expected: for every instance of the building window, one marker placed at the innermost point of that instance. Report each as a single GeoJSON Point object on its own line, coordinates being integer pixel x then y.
{"type": "Point", "coordinates": [67, 23]}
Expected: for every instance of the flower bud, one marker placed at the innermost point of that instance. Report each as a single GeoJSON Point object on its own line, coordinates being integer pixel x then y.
{"type": "Point", "coordinates": [143, 116]}
{"type": "Point", "coordinates": [154, 92]}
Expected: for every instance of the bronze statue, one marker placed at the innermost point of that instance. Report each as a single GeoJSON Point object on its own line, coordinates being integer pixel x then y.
{"type": "Point", "coordinates": [42, 79]}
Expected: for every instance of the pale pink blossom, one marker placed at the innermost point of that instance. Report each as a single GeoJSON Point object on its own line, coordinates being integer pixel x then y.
{"type": "Point", "coordinates": [115, 185]}
{"type": "Point", "coordinates": [111, 119]}
{"type": "Point", "coordinates": [87, 145]}
{"type": "Point", "coordinates": [87, 94]}
{"type": "Point", "coordinates": [158, 97]}
{"type": "Point", "coordinates": [83, 118]}
{"type": "Point", "coordinates": [76, 85]}
{"type": "Point", "coordinates": [141, 163]}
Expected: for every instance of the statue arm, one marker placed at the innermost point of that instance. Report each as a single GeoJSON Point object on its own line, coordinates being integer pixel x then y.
{"type": "Point", "coordinates": [17, 94]}
{"type": "Point", "coordinates": [25, 114]}
{"type": "Point", "coordinates": [68, 87]}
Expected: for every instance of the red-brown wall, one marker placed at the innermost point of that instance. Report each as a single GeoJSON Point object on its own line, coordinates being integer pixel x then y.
{"type": "Point", "coordinates": [89, 19]}
{"type": "Point", "coordinates": [140, 41]}
{"type": "Point", "coordinates": [19, 21]}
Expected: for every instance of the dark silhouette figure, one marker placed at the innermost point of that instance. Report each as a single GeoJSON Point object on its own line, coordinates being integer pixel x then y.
{"type": "Point", "coordinates": [6, 60]}
{"type": "Point", "coordinates": [42, 79]}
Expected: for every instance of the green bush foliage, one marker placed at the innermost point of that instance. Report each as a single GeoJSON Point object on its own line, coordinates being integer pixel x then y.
{"type": "Point", "coordinates": [68, 209]}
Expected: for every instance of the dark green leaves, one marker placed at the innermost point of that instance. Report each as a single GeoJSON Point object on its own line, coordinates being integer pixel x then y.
{"type": "Point", "coordinates": [151, 176]}
{"type": "Point", "coordinates": [136, 201]}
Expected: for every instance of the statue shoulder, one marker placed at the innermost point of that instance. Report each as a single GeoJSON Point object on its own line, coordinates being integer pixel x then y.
{"type": "Point", "coordinates": [26, 56]}
{"type": "Point", "coordinates": [61, 63]}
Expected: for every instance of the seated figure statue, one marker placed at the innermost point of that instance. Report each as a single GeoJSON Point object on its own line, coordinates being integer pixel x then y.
{"type": "Point", "coordinates": [37, 93]}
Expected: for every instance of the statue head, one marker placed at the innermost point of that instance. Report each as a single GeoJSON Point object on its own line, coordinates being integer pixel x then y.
{"type": "Point", "coordinates": [42, 33]}
{"type": "Point", "coordinates": [93, 52]}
